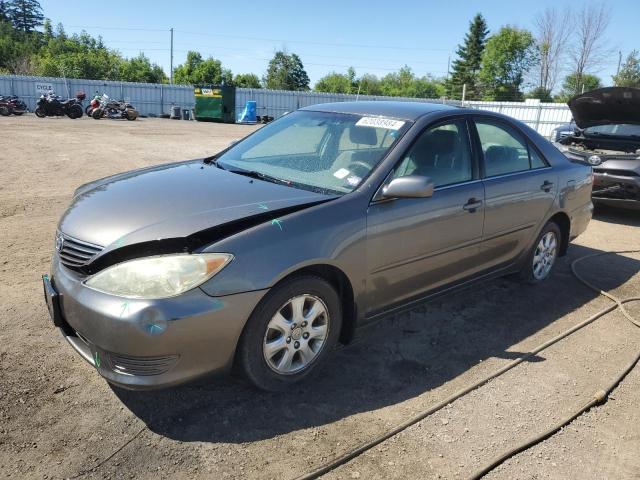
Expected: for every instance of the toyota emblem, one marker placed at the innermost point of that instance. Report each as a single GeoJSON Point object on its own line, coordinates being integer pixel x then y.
{"type": "Point", "coordinates": [59, 242]}
{"type": "Point", "coordinates": [594, 160]}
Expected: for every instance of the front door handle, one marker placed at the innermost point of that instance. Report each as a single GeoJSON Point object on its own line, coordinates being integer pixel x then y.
{"type": "Point", "coordinates": [546, 186]}
{"type": "Point", "coordinates": [472, 205]}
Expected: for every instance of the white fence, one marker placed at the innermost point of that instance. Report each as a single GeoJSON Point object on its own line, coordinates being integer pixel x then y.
{"type": "Point", "coordinates": [543, 117]}
{"type": "Point", "coordinates": [155, 99]}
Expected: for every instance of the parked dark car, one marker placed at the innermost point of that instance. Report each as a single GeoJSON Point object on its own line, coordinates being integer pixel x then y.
{"type": "Point", "coordinates": [563, 131]}
{"type": "Point", "coordinates": [606, 135]}
{"type": "Point", "coordinates": [265, 256]}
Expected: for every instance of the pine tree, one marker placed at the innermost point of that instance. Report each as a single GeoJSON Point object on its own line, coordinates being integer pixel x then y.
{"type": "Point", "coordinates": [26, 15]}
{"type": "Point", "coordinates": [4, 11]}
{"type": "Point", "coordinates": [467, 65]}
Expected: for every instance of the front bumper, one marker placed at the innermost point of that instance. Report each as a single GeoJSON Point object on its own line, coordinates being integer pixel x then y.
{"type": "Point", "coordinates": [607, 186]}
{"type": "Point", "coordinates": [141, 344]}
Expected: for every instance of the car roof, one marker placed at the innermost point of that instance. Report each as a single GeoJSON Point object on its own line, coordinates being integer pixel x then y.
{"type": "Point", "coordinates": [394, 109]}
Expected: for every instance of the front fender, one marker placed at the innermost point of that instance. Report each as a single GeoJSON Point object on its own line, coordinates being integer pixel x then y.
{"type": "Point", "coordinates": [333, 233]}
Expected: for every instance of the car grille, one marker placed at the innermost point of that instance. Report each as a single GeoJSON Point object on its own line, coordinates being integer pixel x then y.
{"type": "Point", "coordinates": [75, 253]}
{"type": "Point", "coordinates": [142, 366]}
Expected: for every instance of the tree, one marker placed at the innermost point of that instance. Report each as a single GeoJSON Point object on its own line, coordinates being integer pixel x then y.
{"type": "Point", "coordinates": [140, 69]}
{"type": "Point", "coordinates": [4, 11]}
{"type": "Point", "coordinates": [572, 86]}
{"type": "Point", "coordinates": [629, 74]}
{"type": "Point", "coordinates": [25, 15]}
{"type": "Point", "coordinates": [247, 80]}
{"type": "Point", "coordinates": [508, 55]}
{"type": "Point", "coordinates": [467, 65]}
{"type": "Point", "coordinates": [369, 84]}
{"type": "Point", "coordinates": [47, 30]}
{"type": "Point", "coordinates": [197, 71]}
{"type": "Point", "coordinates": [404, 83]}
{"type": "Point", "coordinates": [540, 93]}
{"type": "Point", "coordinates": [588, 51]}
{"type": "Point", "coordinates": [286, 72]}
{"type": "Point", "coordinates": [552, 30]}
{"type": "Point", "coordinates": [335, 83]}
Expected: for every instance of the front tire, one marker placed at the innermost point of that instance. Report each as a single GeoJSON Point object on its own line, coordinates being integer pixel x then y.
{"type": "Point", "coordinates": [40, 112]}
{"type": "Point", "coordinates": [97, 114]}
{"type": "Point", "coordinates": [290, 333]}
{"type": "Point", "coordinates": [543, 255]}
{"type": "Point", "coordinates": [4, 111]}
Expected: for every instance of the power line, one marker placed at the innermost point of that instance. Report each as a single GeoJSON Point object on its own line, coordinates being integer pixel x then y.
{"type": "Point", "coordinates": [95, 27]}
{"type": "Point", "coordinates": [334, 65]}
{"type": "Point", "coordinates": [305, 55]}
{"type": "Point", "coordinates": [264, 39]}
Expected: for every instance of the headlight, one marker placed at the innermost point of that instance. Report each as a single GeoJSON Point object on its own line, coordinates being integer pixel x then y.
{"type": "Point", "coordinates": [158, 277]}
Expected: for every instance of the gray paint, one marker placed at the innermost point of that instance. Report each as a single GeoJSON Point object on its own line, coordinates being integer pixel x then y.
{"type": "Point", "coordinates": [393, 251]}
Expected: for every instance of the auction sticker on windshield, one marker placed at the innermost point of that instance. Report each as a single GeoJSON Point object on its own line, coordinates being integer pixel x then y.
{"type": "Point", "coordinates": [378, 122]}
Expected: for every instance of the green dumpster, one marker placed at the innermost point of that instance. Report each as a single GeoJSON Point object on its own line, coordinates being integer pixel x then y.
{"type": "Point", "coordinates": [215, 103]}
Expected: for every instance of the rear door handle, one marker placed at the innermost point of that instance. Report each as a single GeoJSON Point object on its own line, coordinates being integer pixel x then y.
{"type": "Point", "coordinates": [472, 205]}
{"type": "Point", "coordinates": [546, 186]}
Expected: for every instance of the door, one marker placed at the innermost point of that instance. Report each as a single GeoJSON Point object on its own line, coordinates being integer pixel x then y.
{"type": "Point", "coordinates": [418, 244]}
{"type": "Point", "coordinates": [520, 188]}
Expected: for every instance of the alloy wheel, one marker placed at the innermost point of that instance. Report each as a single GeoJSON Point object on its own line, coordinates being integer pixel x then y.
{"type": "Point", "coordinates": [545, 255]}
{"type": "Point", "coordinates": [296, 334]}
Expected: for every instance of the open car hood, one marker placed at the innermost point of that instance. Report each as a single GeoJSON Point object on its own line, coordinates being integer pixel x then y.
{"type": "Point", "coordinates": [606, 106]}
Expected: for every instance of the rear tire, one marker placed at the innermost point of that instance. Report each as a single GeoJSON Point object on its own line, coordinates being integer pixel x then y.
{"type": "Point", "coordinates": [4, 111]}
{"type": "Point", "coordinates": [290, 333]}
{"type": "Point", "coordinates": [18, 113]}
{"type": "Point", "coordinates": [75, 111]}
{"type": "Point", "coordinates": [543, 255]}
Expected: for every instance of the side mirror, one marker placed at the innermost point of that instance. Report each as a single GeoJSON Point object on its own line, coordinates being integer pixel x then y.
{"type": "Point", "coordinates": [410, 186]}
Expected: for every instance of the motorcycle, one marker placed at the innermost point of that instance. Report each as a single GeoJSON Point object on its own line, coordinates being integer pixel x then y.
{"type": "Point", "coordinates": [113, 109]}
{"type": "Point", "coordinates": [93, 104]}
{"type": "Point", "coordinates": [51, 105]}
{"type": "Point", "coordinates": [11, 104]}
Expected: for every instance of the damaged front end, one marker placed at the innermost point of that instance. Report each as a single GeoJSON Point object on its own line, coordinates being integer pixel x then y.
{"type": "Point", "coordinates": [615, 163]}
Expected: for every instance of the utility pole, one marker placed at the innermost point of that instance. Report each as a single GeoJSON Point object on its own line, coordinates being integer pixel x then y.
{"type": "Point", "coordinates": [619, 62]}
{"type": "Point", "coordinates": [171, 61]}
{"type": "Point", "coordinates": [464, 93]}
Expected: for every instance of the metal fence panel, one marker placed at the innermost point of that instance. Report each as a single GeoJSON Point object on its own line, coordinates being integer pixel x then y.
{"type": "Point", "coordinates": [543, 117]}
{"type": "Point", "coordinates": [148, 98]}
{"type": "Point", "coordinates": [155, 99]}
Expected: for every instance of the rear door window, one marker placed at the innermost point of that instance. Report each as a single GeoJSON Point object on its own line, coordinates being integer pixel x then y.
{"type": "Point", "coordinates": [503, 148]}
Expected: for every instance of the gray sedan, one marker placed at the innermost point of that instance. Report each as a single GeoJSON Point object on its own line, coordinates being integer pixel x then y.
{"type": "Point", "coordinates": [265, 256]}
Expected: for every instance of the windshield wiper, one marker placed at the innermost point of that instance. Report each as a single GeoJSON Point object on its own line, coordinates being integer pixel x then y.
{"type": "Point", "coordinates": [260, 176]}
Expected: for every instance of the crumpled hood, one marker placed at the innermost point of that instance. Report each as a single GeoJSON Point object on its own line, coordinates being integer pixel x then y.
{"type": "Point", "coordinates": [606, 106]}
{"type": "Point", "coordinates": [171, 201]}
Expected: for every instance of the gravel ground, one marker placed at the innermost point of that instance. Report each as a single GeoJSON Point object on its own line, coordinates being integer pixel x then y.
{"type": "Point", "coordinates": [59, 419]}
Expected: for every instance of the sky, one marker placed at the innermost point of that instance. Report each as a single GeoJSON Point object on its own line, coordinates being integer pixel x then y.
{"type": "Point", "coordinates": [373, 36]}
